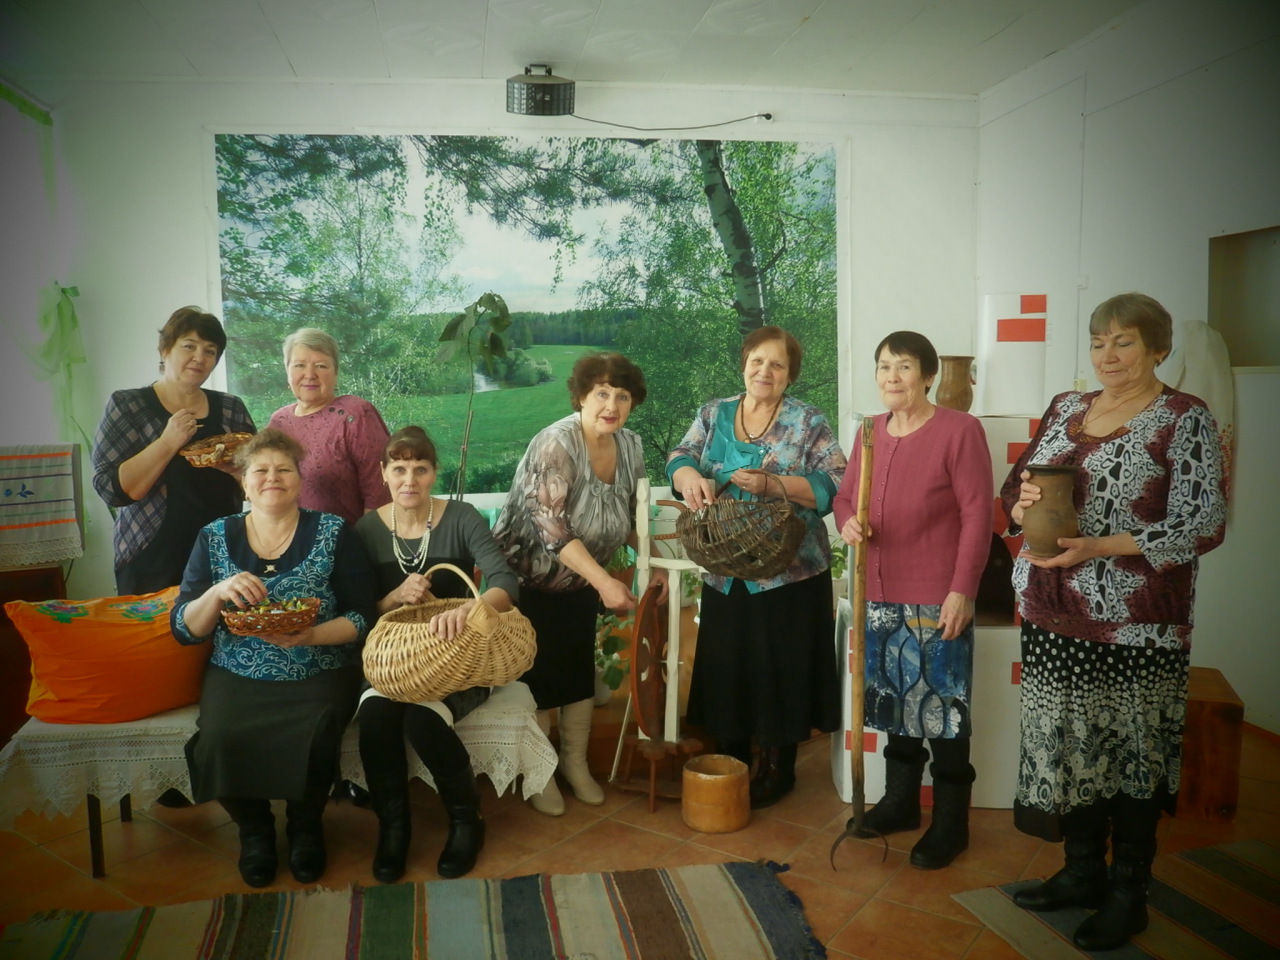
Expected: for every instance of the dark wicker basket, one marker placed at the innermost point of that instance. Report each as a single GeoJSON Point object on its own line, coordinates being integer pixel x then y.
{"type": "Point", "coordinates": [747, 539]}
{"type": "Point", "coordinates": [264, 623]}
{"type": "Point", "coordinates": [405, 661]}
{"type": "Point", "coordinates": [214, 450]}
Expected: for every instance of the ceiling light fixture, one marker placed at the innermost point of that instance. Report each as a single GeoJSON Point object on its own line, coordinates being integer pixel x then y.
{"type": "Point", "coordinates": [542, 95]}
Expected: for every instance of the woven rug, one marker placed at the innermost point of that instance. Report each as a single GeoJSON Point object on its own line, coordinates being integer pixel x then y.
{"type": "Point", "coordinates": [730, 911]}
{"type": "Point", "coordinates": [1212, 902]}
{"type": "Point", "coordinates": [736, 911]}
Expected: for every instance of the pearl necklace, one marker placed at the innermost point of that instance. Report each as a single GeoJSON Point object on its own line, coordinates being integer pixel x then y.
{"type": "Point", "coordinates": [411, 561]}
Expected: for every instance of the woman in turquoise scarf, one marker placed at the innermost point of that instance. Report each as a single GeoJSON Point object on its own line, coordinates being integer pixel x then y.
{"type": "Point", "coordinates": [764, 669]}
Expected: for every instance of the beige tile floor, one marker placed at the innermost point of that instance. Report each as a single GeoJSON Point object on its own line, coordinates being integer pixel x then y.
{"type": "Point", "coordinates": [870, 908]}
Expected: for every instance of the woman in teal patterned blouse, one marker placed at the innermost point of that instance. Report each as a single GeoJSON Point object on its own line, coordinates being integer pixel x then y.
{"type": "Point", "coordinates": [764, 670]}
{"type": "Point", "coordinates": [273, 708]}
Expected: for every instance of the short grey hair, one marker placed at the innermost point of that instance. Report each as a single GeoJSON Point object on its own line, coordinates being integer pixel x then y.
{"type": "Point", "coordinates": [313, 339]}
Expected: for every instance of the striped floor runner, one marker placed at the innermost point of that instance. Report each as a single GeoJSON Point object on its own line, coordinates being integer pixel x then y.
{"type": "Point", "coordinates": [378, 923]}
{"type": "Point", "coordinates": [733, 911]}
{"type": "Point", "coordinates": [736, 911]}
{"type": "Point", "coordinates": [1215, 903]}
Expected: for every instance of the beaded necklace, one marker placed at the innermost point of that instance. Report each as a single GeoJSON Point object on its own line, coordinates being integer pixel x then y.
{"type": "Point", "coordinates": [409, 560]}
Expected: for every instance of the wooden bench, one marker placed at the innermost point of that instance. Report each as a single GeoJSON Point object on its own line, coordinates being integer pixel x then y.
{"type": "Point", "coordinates": [1210, 788]}
{"type": "Point", "coordinates": [49, 768]}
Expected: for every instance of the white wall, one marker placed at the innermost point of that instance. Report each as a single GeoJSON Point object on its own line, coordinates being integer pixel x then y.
{"type": "Point", "coordinates": [1107, 168]}
{"type": "Point", "coordinates": [139, 159]}
{"type": "Point", "coordinates": [30, 258]}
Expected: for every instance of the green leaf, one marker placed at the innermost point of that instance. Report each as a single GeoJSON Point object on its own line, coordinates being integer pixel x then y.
{"type": "Point", "coordinates": [450, 330]}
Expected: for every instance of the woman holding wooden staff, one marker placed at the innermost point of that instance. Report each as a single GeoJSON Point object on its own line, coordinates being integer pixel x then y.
{"type": "Point", "coordinates": [928, 535]}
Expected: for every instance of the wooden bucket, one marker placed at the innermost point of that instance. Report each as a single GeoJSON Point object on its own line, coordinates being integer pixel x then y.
{"type": "Point", "coordinates": [715, 796]}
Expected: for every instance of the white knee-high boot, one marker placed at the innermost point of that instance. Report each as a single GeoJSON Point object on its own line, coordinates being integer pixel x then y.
{"type": "Point", "coordinates": [575, 735]}
{"type": "Point", "coordinates": [549, 800]}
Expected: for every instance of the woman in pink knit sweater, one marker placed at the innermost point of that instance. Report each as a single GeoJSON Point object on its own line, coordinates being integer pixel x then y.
{"type": "Point", "coordinates": [928, 534]}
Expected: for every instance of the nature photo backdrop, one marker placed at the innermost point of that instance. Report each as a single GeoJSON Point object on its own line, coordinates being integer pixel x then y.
{"type": "Point", "coordinates": [669, 251]}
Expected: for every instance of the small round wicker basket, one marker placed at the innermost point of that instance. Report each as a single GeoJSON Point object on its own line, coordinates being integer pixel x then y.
{"type": "Point", "coordinates": [405, 661]}
{"type": "Point", "coordinates": [747, 539]}
{"type": "Point", "coordinates": [214, 450]}
{"type": "Point", "coordinates": [259, 623]}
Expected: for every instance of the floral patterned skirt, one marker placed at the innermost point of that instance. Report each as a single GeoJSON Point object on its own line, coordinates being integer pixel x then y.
{"type": "Point", "coordinates": [1097, 720]}
{"type": "Point", "coordinates": [918, 685]}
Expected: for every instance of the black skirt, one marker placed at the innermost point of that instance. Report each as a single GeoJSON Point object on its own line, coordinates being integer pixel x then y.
{"type": "Point", "coordinates": [765, 666]}
{"type": "Point", "coordinates": [564, 669]}
{"type": "Point", "coordinates": [256, 738]}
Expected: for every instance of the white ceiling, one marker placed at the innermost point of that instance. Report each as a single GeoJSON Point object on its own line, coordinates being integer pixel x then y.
{"type": "Point", "coordinates": [955, 47]}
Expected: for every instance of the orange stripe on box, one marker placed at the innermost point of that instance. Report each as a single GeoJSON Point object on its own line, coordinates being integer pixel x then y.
{"type": "Point", "coordinates": [1020, 330]}
{"type": "Point", "coordinates": [34, 456]}
{"type": "Point", "coordinates": [1015, 675]}
{"type": "Point", "coordinates": [27, 526]}
{"type": "Point", "coordinates": [926, 795]}
{"type": "Point", "coordinates": [1033, 303]}
{"type": "Point", "coordinates": [1032, 426]}
{"type": "Point", "coordinates": [1014, 451]}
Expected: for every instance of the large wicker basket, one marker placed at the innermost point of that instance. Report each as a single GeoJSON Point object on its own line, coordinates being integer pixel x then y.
{"type": "Point", "coordinates": [405, 661]}
{"type": "Point", "coordinates": [214, 450]}
{"type": "Point", "coordinates": [747, 539]}
{"type": "Point", "coordinates": [265, 623]}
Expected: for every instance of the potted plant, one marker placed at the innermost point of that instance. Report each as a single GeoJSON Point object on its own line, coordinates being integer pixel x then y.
{"type": "Point", "coordinates": [613, 639]}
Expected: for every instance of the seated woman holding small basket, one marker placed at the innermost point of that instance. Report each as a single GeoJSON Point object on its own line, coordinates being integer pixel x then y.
{"type": "Point", "coordinates": [406, 539]}
{"type": "Point", "coordinates": [764, 669]}
{"type": "Point", "coordinates": [282, 683]}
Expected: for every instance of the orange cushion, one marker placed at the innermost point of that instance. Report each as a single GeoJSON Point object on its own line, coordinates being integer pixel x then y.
{"type": "Point", "coordinates": [108, 660]}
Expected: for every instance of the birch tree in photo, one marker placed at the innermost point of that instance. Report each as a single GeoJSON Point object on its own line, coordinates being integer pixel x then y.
{"type": "Point", "coordinates": [731, 228]}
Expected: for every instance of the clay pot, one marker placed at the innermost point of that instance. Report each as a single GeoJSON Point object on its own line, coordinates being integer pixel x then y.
{"type": "Point", "coordinates": [1054, 514]}
{"type": "Point", "coordinates": [955, 383]}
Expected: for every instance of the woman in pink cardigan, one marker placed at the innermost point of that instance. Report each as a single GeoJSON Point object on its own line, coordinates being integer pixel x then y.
{"type": "Point", "coordinates": [928, 535]}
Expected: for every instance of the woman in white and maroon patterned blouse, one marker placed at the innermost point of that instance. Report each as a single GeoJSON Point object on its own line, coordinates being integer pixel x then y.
{"type": "Point", "coordinates": [1106, 633]}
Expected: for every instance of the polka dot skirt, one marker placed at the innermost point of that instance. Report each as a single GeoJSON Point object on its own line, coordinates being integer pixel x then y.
{"type": "Point", "coordinates": [1098, 719]}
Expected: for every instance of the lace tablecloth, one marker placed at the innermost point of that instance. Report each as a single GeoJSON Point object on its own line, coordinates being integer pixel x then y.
{"type": "Point", "coordinates": [50, 767]}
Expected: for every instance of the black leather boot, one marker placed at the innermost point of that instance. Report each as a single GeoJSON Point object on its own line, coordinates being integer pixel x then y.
{"type": "Point", "coordinates": [1124, 911]}
{"type": "Point", "coordinates": [1082, 881]}
{"type": "Point", "coordinates": [390, 800]}
{"type": "Point", "coordinates": [899, 808]}
{"type": "Point", "coordinates": [307, 858]}
{"type": "Point", "coordinates": [258, 860]}
{"type": "Point", "coordinates": [1133, 848]}
{"type": "Point", "coordinates": [948, 833]}
{"type": "Point", "coordinates": [466, 827]}
{"type": "Point", "coordinates": [776, 776]}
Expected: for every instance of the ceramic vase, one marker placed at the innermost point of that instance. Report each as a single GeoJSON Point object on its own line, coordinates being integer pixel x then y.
{"type": "Point", "coordinates": [955, 383]}
{"type": "Point", "coordinates": [1054, 514]}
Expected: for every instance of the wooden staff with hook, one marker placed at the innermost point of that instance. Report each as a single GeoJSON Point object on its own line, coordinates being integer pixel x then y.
{"type": "Point", "coordinates": [857, 645]}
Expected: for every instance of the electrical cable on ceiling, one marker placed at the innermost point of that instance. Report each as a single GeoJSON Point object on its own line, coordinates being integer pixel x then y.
{"type": "Point", "coordinates": [700, 126]}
